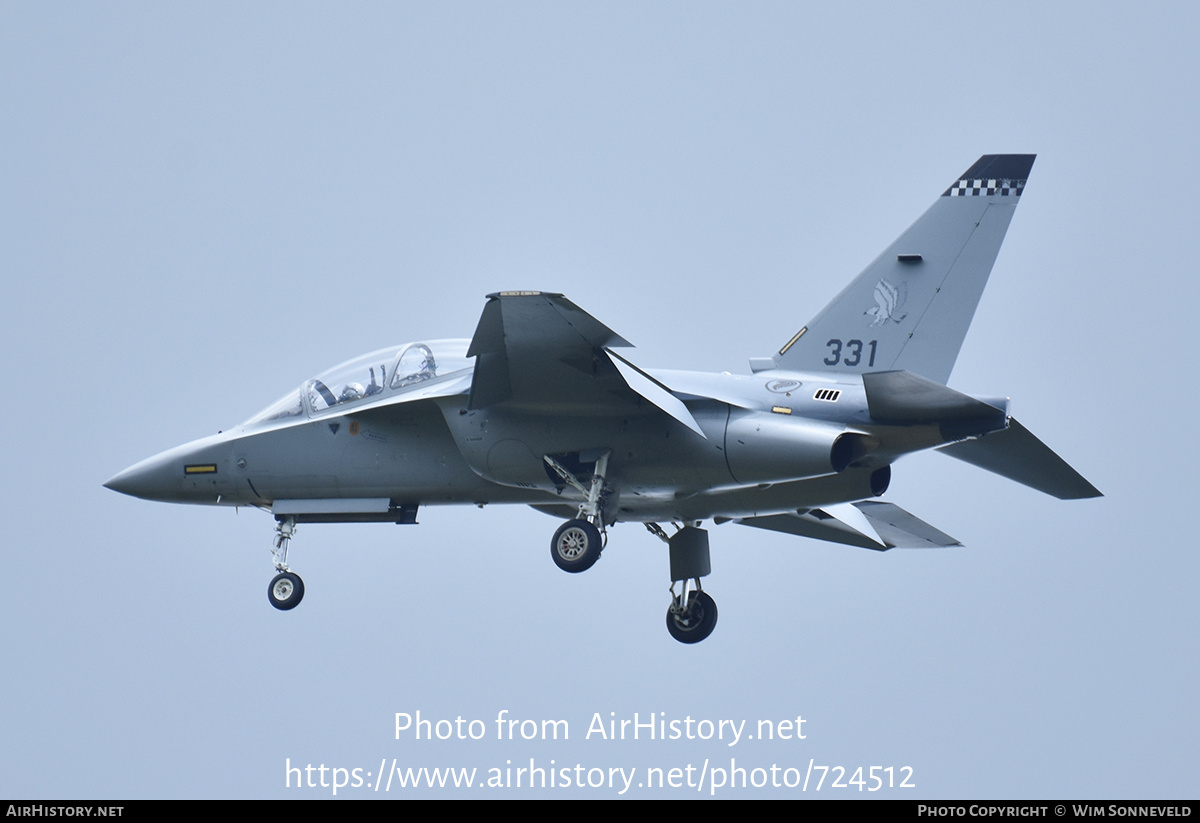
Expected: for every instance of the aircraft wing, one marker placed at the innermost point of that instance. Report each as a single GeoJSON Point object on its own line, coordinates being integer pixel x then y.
{"type": "Point", "coordinates": [541, 352]}
{"type": "Point", "coordinates": [870, 525]}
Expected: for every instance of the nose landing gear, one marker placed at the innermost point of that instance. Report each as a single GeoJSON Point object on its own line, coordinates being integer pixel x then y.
{"type": "Point", "coordinates": [286, 589]}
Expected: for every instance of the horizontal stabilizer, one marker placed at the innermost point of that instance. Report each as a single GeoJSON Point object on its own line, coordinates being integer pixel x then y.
{"type": "Point", "coordinates": [869, 525]}
{"type": "Point", "coordinates": [904, 397]}
{"type": "Point", "coordinates": [1017, 454]}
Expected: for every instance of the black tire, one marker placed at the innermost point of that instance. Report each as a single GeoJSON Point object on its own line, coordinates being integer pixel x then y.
{"type": "Point", "coordinates": [576, 546]}
{"type": "Point", "coordinates": [286, 591]}
{"type": "Point", "coordinates": [697, 623]}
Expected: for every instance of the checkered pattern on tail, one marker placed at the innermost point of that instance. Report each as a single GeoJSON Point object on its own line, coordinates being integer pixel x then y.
{"type": "Point", "coordinates": [975, 188]}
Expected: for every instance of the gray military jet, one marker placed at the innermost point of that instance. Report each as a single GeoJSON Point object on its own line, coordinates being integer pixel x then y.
{"type": "Point", "coordinates": [539, 408]}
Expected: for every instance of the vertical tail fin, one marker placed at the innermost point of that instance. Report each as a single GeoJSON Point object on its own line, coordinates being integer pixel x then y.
{"type": "Point", "coordinates": [910, 309]}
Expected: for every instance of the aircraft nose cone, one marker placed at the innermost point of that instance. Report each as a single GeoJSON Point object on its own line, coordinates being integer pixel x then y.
{"type": "Point", "coordinates": [149, 479]}
{"type": "Point", "coordinates": [192, 473]}
{"type": "Point", "coordinates": [117, 482]}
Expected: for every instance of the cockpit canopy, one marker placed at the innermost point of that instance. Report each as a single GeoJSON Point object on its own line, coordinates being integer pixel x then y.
{"type": "Point", "coordinates": [397, 370]}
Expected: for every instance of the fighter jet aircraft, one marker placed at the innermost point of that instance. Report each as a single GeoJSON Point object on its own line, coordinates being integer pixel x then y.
{"type": "Point", "coordinates": [539, 408]}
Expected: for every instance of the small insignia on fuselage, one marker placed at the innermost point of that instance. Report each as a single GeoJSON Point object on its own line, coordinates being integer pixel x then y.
{"type": "Point", "coordinates": [782, 386]}
{"type": "Point", "coordinates": [354, 427]}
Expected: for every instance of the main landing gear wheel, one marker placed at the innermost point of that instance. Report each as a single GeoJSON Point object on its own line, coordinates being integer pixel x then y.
{"type": "Point", "coordinates": [576, 546]}
{"type": "Point", "coordinates": [696, 622]}
{"type": "Point", "coordinates": [286, 591]}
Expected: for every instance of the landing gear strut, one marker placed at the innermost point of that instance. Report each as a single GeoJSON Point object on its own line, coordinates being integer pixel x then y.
{"type": "Point", "coordinates": [577, 544]}
{"type": "Point", "coordinates": [692, 615]}
{"type": "Point", "coordinates": [286, 589]}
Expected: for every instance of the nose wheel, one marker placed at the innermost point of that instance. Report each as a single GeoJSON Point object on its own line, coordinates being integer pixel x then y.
{"type": "Point", "coordinates": [286, 589]}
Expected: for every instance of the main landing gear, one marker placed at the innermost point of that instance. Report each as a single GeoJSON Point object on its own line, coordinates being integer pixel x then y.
{"type": "Point", "coordinates": [577, 544]}
{"type": "Point", "coordinates": [695, 621]}
{"type": "Point", "coordinates": [286, 589]}
{"type": "Point", "coordinates": [692, 615]}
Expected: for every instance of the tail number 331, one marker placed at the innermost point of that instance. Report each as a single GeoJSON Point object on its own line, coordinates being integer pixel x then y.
{"type": "Point", "coordinates": [850, 353]}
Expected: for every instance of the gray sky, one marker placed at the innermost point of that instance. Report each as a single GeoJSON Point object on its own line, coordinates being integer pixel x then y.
{"type": "Point", "coordinates": [204, 204]}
